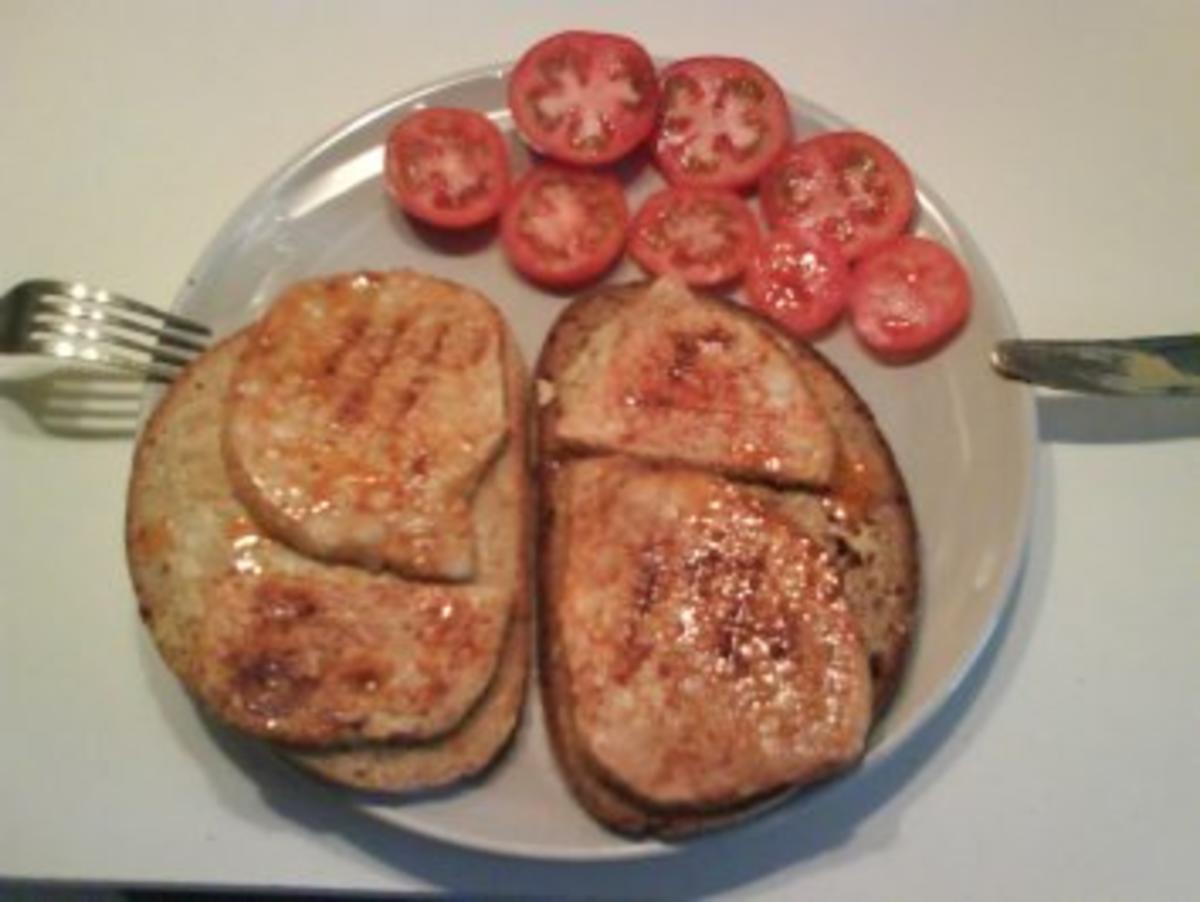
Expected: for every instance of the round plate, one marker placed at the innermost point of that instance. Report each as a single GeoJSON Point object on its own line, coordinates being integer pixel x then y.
{"type": "Point", "coordinates": [964, 438]}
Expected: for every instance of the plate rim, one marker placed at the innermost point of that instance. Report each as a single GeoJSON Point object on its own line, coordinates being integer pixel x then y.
{"type": "Point", "coordinates": [1014, 556]}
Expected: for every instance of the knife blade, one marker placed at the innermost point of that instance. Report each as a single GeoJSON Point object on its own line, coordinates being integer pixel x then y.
{"type": "Point", "coordinates": [1156, 366]}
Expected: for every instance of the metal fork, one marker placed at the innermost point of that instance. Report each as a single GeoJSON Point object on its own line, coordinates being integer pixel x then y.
{"type": "Point", "coordinates": [73, 322]}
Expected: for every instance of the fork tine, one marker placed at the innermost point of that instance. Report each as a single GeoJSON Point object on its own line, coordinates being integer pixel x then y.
{"type": "Point", "coordinates": [176, 322]}
{"type": "Point", "coordinates": [58, 326]}
{"type": "Point", "coordinates": [65, 349]}
{"type": "Point", "coordinates": [89, 311]}
{"type": "Point", "coordinates": [78, 291]}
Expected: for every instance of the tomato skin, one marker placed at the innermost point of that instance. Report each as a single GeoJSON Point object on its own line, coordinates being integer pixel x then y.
{"type": "Point", "coordinates": [563, 227]}
{"type": "Point", "coordinates": [909, 297]}
{"type": "Point", "coordinates": [849, 186]}
{"type": "Point", "coordinates": [722, 121]}
{"type": "Point", "coordinates": [447, 167]}
{"type": "Point", "coordinates": [799, 279]}
{"type": "Point", "coordinates": [565, 64]}
{"type": "Point", "coordinates": [705, 236]}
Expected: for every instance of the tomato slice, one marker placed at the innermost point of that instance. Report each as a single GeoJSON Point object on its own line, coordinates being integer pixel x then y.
{"type": "Point", "coordinates": [584, 97]}
{"type": "Point", "coordinates": [703, 235]}
{"type": "Point", "coordinates": [447, 167]}
{"type": "Point", "coordinates": [564, 226]}
{"type": "Point", "coordinates": [722, 122]}
{"type": "Point", "coordinates": [799, 279]}
{"type": "Point", "coordinates": [847, 185]}
{"type": "Point", "coordinates": [909, 297]}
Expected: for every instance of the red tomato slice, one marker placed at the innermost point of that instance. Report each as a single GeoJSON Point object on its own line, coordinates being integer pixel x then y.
{"type": "Point", "coordinates": [563, 226]}
{"type": "Point", "coordinates": [846, 185]}
{"type": "Point", "coordinates": [703, 235]}
{"type": "Point", "coordinates": [800, 280]}
{"type": "Point", "coordinates": [447, 167]}
{"type": "Point", "coordinates": [584, 97]}
{"type": "Point", "coordinates": [908, 297]}
{"type": "Point", "coordinates": [722, 122]}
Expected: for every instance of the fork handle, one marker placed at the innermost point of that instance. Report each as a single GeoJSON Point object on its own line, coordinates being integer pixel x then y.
{"type": "Point", "coordinates": [1158, 366]}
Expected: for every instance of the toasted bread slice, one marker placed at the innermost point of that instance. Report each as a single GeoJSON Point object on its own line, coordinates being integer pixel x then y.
{"type": "Point", "coordinates": [316, 654]}
{"type": "Point", "coordinates": [861, 525]}
{"type": "Point", "coordinates": [607, 802]}
{"type": "Point", "coordinates": [711, 656]}
{"type": "Point", "coordinates": [470, 748]}
{"type": "Point", "coordinates": [404, 373]}
{"type": "Point", "coordinates": [683, 382]}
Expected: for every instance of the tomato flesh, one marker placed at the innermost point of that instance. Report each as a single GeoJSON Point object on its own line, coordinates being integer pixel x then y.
{"type": "Point", "coordinates": [703, 235]}
{"type": "Point", "coordinates": [584, 97]}
{"type": "Point", "coordinates": [447, 167]}
{"type": "Point", "coordinates": [564, 226]}
{"type": "Point", "coordinates": [848, 186]}
{"type": "Point", "coordinates": [723, 120]}
{"type": "Point", "coordinates": [909, 297]}
{"type": "Point", "coordinates": [799, 279]}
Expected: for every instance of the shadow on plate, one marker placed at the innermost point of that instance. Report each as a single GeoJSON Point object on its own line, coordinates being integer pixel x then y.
{"type": "Point", "coordinates": [79, 404]}
{"type": "Point", "coordinates": [1077, 419]}
{"type": "Point", "coordinates": [452, 242]}
{"type": "Point", "coordinates": [830, 826]}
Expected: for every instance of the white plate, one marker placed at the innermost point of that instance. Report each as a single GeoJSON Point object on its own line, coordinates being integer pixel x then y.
{"type": "Point", "coordinates": [964, 438]}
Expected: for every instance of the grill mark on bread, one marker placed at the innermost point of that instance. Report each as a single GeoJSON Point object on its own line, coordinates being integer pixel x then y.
{"type": "Point", "coordinates": [683, 373]}
{"type": "Point", "coordinates": [649, 575]}
{"type": "Point", "coordinates": [271, 685]}
{"type": "Point", "coordinates": [349, 337]}
{"type": "Point", "coordinates": [434, 350]}
{"type": "Point", "coordinates": [355, 404]}
{"type": "Point", "coordinates": [285, 603]}
{"type": "Point", "coordinates": [847, 552]}
{"type": "Point", "coordinates": [647, 579]}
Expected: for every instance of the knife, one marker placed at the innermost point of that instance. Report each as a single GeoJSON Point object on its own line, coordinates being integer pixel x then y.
{"type": "Point", "coordinates": [1159, 366]}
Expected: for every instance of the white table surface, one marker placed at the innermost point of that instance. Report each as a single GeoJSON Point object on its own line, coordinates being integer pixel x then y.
{"type": "Point", "coordinates": [1066, 136]}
